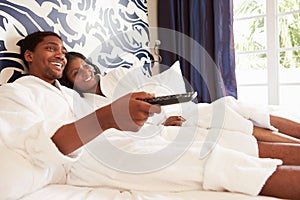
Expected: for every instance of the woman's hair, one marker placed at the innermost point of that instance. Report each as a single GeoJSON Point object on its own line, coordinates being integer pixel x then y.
{"type": "Point", "coordinates": [32, 40]}
{"type": "Point", "coordinates": [70, 56]}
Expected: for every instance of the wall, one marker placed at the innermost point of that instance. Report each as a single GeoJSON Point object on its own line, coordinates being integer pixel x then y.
{"type": "Point", "coordinates": [112, 33]}
{"type": "Point", "coordinates": [152, 20]}
{"type": "Point", "coordinates": [153, 25]}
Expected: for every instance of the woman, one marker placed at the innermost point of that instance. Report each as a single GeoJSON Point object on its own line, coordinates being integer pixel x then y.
{"type": "Point", "coordinates": [83, 76]}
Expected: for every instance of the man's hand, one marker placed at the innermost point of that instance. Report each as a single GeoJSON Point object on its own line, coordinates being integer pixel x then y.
{"type": "Point", "coordinates": [127, 113]}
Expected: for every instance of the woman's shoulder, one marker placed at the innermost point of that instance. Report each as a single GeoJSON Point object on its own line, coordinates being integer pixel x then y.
{"type": "Point", "coordinates": [97, 101]}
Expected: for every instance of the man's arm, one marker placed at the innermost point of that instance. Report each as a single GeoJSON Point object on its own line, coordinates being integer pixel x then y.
{"type": "Point", "coordinates": [128, 113]}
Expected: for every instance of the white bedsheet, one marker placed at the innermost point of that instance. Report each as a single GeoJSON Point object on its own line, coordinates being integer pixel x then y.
{"type": "Point", "coordinates": [66, 192]}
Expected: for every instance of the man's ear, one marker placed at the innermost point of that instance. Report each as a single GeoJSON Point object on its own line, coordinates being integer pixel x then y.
{"type": "Point", "coordinates": [28, 56]}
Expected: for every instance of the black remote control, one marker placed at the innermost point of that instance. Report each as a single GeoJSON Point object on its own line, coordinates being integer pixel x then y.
{"type": "Point", "coordinates": [172, 99]}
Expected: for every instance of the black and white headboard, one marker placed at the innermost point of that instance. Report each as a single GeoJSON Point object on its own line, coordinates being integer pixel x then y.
{"type": "Point", "coordinates": [111, 33]}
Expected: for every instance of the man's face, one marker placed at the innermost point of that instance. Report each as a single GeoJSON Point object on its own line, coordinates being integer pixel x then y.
{"type": "Point", "coordinates": [48, 60]}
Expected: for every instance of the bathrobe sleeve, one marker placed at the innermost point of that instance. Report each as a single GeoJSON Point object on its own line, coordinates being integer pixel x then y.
{"type": "Point", "coordinates": [26, 128]}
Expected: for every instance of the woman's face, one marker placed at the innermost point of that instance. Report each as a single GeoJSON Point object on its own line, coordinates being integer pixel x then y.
{"type": "Point", "coordinates": [82, 75]}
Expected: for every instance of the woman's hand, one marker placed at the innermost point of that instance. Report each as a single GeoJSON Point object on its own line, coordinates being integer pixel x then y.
{"type": "Point", "coordinates": [174, 121]}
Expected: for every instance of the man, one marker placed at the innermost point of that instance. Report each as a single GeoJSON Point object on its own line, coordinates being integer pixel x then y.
{"type": "Point", "coordinates": [46, 60]}
{"type": "Point", "coordinates": [49, 125]}
{"type": "Point", "coordinates": [39, 120]}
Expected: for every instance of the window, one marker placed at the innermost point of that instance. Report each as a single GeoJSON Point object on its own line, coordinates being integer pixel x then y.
{"type": "Point", "coordinates": [267, 46]}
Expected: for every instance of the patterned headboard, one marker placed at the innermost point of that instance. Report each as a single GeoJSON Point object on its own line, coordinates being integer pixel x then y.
{"type": "Point", "coordinates": [111, 33]}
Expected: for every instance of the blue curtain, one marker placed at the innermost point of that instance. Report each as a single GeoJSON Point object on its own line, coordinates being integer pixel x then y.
{"type": "Point", "coordinates": [199, 33]}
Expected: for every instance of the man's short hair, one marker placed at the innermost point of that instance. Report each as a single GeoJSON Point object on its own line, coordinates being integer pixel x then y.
{"type": "Point", "coordinates": [32, 40]}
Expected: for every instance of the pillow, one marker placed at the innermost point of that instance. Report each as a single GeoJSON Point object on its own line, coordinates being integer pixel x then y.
{"type": "Point", "coordinates": [10, 74]}
{"type": "Point", "coordinates": [11, 67]}
{"type": "Point", "coordinates": [121, 81]}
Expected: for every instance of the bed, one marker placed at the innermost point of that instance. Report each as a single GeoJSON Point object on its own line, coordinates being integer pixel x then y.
{"type": "Point", "coordinates": [22, 180]}
{"type": "Point", "coordinates": [132, 179]}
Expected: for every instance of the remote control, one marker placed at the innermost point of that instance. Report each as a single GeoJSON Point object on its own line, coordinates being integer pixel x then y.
{"type": "Point", "coordinates": [172, 99]}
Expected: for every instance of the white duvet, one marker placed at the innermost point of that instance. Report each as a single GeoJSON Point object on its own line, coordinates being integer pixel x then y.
{"type": "Point", "coordinates": [201, 155]}
{"type": "Point", "coordinates": [213, 151]}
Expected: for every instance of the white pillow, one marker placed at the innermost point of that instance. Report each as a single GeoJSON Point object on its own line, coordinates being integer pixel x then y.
{"type": "Point", "coordinates": [121, 81]}
{"type": "Point", "coordinates": [10, 73]}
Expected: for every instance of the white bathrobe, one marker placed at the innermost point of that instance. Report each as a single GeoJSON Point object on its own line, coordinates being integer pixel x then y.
{"type": "Point", "coordinates": [31, 110]}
